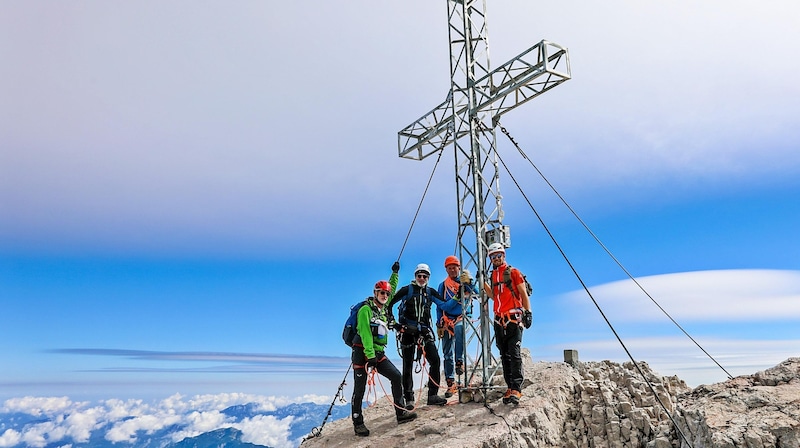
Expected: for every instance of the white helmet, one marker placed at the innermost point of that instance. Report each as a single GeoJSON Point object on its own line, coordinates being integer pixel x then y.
{"type": "Point", "coordinates": [422, 267]}
{"type": "Point", "coordinates": [496, 247]}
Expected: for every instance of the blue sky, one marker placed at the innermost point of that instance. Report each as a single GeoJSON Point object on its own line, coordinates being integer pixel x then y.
{"type": "Point", "coordinates": [192, 196]}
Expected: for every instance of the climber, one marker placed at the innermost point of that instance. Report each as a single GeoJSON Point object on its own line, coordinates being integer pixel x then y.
{"type": "Point", "coordinates": [368, 352]}
{"type": "Point", "coordinates": [512, 310]}
{"type": "Point", "coordinates": [414, 317]}
{"type": "Point", "coordinates": [459, 287]}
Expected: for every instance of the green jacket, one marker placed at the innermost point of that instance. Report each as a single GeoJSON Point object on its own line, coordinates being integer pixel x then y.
{"type": "Point", "coordinates": [372, 324]}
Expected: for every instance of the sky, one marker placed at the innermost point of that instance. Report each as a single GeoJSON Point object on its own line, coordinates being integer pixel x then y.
{"type": "Point", "coordinates": [193, 194]}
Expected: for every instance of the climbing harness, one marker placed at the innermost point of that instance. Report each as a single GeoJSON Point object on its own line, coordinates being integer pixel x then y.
{"type": "Point", "coordinates": [513, 316]}
{"type": "Point", "coordinates": [450, 324]}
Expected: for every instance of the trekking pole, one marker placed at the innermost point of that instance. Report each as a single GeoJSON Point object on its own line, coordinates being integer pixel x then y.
{"type": "Point", "coordinates": [317, 431]}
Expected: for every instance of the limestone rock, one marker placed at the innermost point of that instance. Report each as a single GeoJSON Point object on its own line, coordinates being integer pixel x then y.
{"type": "Point", "coordinates": [597, 404]}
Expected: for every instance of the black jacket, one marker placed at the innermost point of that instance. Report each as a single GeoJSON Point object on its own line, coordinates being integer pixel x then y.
{"type": "Point", "coordinates": [415, 305]}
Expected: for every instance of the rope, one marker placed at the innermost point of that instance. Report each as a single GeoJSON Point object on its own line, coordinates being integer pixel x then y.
{"type": "Point", "coordinates": [597, 305]}
{"type": "Point", "coordinates": [424, 367]}
{"type": "Point", "coordinates": [585, 226]}
{"type": "Point", "coordinates": [386, 394]}
{"type": "Point", "coordinates": [317, 431]}
{"type": "Point", "coordinates": [371, 386]}
{"type": "Point", "coordinates": [422, 199]}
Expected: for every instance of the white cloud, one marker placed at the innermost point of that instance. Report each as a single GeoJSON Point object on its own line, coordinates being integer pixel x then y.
{"type": "Point", "coordinates": [201, 422]}
{"type": "Point", "coordinates": [225, 400]}
{"type": "Point", "coordinates": [126, 431]}
{"type": "Point", "coordinates": [266, 430]}
{"type": "Point", "coordinates": [10, 438]}
{"type": "Point", "coordinates": [313, 398]}
{"type": "Point", "coordinates": [80, 424]}
{"type": "Point", "coordinates": [741, 318]}
{"type": "Point", "coordinates": [38, 405]}
{"type": "Point", "coordinates": [724, 295]}
{"type": "Point", "coordinates": [41, 434]}
{"type": "Point", "coordinates": [118, 409]}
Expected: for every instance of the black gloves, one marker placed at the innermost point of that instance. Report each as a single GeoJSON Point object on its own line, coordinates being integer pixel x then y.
{"type": "Point", "coordinates": [527, 318]}
{"type": "Point", "coordinates": [396, 267]}
{"type": "Point", "coordinates": [372, 362]}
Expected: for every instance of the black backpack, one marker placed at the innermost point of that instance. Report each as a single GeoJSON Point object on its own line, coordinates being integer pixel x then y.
{"type": "Point", "coordinates": [349, 332]}
{"type": "Point", "coordinates": [507, 281]}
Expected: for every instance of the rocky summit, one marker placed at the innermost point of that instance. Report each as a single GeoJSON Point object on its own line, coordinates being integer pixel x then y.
{"type": "Point", "coordinates": [596, 404]}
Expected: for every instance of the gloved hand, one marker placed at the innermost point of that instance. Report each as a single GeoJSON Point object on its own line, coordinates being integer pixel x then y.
{"type": "Point", "coordinates": [527, 318]}
{"type": "Point", "coordinates": [440, 332]}
{"type": "Point", "coordinates": [372, 362]}
{"type": "Point", "coordinates": [466, 277]}
{"type": "Point", "coordinates": [396, 267]}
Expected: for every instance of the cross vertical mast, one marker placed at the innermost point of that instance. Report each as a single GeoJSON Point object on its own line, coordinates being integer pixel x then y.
{"type": "Point", "coordinates": [476, 167]}
{"type": "Point", "coordinates": [467, 118]}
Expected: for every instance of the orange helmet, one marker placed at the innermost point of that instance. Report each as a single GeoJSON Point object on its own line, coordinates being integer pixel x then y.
{"type": "Point", "coordinates": [383, 285]}
{"type": "Point", "coordinates": [452, 259]}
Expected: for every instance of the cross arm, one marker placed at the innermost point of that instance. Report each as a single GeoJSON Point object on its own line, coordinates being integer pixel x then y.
{"type": "Point", "coordinates": [427, 135]}
{"type": "Point", "coordinates": [533, 72]}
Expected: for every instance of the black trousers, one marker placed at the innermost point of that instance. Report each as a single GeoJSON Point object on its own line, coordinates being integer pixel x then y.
{"type": "Point", "coordinates": [385, 368]}
{"type": "Point", "coordinates": [409, 351]}
{"type": "Point", "coordinates": [509, 342]}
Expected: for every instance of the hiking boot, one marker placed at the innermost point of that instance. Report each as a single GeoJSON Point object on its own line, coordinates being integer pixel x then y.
{"type": "Point", "coordinates": [436, 400]}
{"type": "Point", "coordinates": [361, 430]}
{"type": "Point", "coordinates": [514, 397]}
{"type": "Point", "coordinates": [459, 368]}
{"type": "Point", "coordinates": [406, 416]}
{"type": "Point", "coordinates": [449, 393]}
{"type": "Point", "coordinates": [452, 389]}
{"type": "Point", "coordinates": [409, 404]}
{"type": "Point", "coordinates": [506, 396]}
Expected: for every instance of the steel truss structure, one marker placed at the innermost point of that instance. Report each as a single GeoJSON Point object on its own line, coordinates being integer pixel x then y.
{"type": "Point", "coordinates": [467, 119]}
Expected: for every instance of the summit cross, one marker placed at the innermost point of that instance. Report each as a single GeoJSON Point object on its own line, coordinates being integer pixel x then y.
{"type": "Point", "coordinates": [467, 119]}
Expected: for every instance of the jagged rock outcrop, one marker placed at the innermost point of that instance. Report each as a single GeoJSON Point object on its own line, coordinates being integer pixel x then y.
{"type": "Point", "coordinates": [598, 404]}
{"type": "Point", "coordinates": [755, 411]}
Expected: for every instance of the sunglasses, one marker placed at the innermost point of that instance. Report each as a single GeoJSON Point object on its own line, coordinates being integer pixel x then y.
{"type": "Point", "coordinates": [380, 291]}
{"type": "Point", "coordinates": [422, 275]}
{"type": "Point", "coordinates": [497, 255]}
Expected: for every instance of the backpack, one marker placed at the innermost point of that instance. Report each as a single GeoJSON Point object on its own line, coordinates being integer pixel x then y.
{"type": "Point", "coordinates": [349, 332]}
{"type": "Point", "coordinates": [507, 281]}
